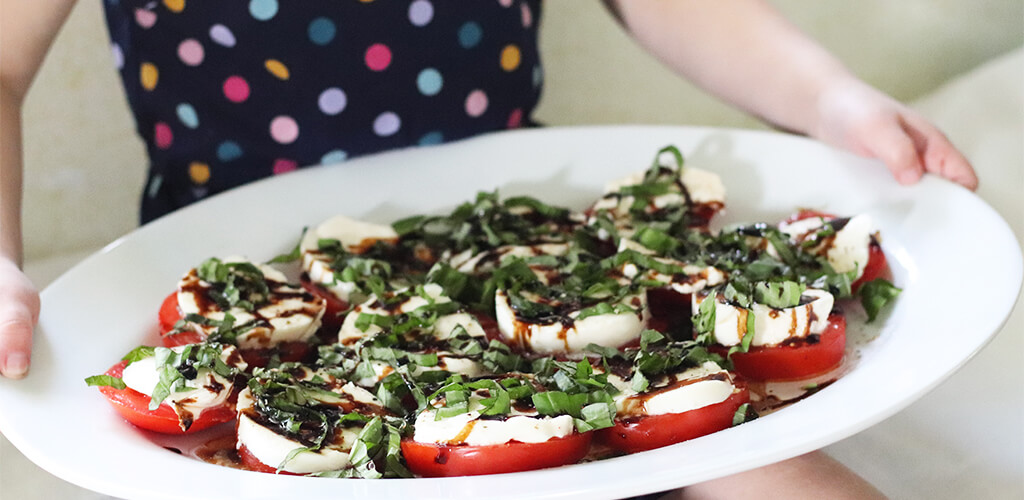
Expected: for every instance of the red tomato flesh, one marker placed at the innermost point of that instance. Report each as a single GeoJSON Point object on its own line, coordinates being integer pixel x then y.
{"type": "Point", "coordinates": [250, 462]}
{"type": "Point", "coordinates": [169, 314]}
{"type": "Point", "coordinates": [437, 460]}
{"type": "Point", "coordinates": [334, 313]}
{"type": "Point", "coordinates": [654, 431]}
{"type": "Point", "coordinates": [793, 361]}
{"type": "Point", "coordinates": [133, 406]}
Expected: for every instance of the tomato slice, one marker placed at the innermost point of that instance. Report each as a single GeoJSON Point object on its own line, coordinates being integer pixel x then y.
{"type": "Point", "coordinates": [133, 406]}
{"type": "Point", "coordinates": [874, 268]}
{"type": "Point", "coordinates": [793, 361]}
{"type": "Point", "coordinates": [654, 431]}
{"type": "Point", "coordinates": [437, 460]}
{"type": "Point", "coordinates": [250, 462]}
{"type": "Point", "coordinates": [334, 313]}
{"type": "Point", "coordinates": [169, 314]}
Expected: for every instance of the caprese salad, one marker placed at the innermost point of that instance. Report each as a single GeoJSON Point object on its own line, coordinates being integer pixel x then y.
{"type": "Point", "coordinates": [508, 335]}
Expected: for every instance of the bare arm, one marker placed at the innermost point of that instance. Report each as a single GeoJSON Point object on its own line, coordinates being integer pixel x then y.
{"type": "Point", "coordinates": [746, 53]}
{"type": "Point", "coordinates": [811, 476]}
{"type": "Point", "coordinates": [26, 31]}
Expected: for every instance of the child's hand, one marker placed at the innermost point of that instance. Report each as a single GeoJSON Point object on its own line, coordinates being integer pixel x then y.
{"type": "Point", "coordinates": [19, 311]}
{"type": "Point", "coordinates": [856, 117]}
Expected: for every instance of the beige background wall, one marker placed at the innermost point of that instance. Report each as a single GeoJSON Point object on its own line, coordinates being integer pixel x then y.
{"type": "Point", "coordinates": [84, 166]}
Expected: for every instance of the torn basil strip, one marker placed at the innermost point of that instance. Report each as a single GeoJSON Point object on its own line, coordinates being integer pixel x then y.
{"type": "Point", "coordinates": [106, 381]}
{"type": "Point", "coordinates": [875, 295]}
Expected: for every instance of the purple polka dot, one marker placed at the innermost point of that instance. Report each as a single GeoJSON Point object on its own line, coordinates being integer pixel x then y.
{"type": "Point", "coordinates": [236, 89]}
{"type": "Point", "coordinates": [332, 101]}
{"type": "Point", "coordinates": [222, 35]}
{"type": "Point", "coordinates": [378, 57]}
{"type": "Point", "coordinates": [421, 12]}
{"type": "Point", "coordinates": [515, 118]}
{"type": "Point", "coordinates": [145, 18]}
{"type": "Point", "coordinates": [386, 124]}
{"type": "Point", "coordinates": [284, 129]}
{"type": "Point", "coordinates": [191, 52]}
{"type": "Point", "coordinates": [476, 103]}
{"type": "Point", "coordinates": [283, 166]}
{"type": "Point", "coordinates": [115, 50]}
{"type": "Point", "coordinates": [162, 135]}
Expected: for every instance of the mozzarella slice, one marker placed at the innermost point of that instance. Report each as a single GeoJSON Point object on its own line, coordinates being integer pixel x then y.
{"type": "Point", "coordinates": [355, 237]}
{"type": "Point", "coordinates": [691, 278]}
{"type": "Point", "coordinates": [847, 250]}
{"type": "Point", "coordinates": [207, 390]}
{"type": "Point", "coordinates": [771, 326]}
{"type": "Point", "coordinates": [489, 260]}
{"type": "Point", "coordinates": [441, 329]}
{"type": "Point", "coordinates": [691, 389]}
{"type": "Point", "coordinates": [472, 429]}
{"type": "Point", "coordinates": [704, 189]}
{"type": "Point", "coordinates": [271, 447]}
{"type": "Point", "coordinates": [569, 335]}
{"type": "Point", "coordinates": [290, 314]}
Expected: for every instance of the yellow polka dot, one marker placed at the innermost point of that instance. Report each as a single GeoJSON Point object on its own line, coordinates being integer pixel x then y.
{"type": "Point", "coordinates": [277, 68]}
{"type": "Point", "coordinates": [199, 172]}
{"type": "Point", "coordinates": [510, 57]}
{"type": "Point", "coordinates": [175, 5]}
{"type": "Point", "coordinates": [365, 1]}
{"type": "Point", "coordinates": [148, 76]}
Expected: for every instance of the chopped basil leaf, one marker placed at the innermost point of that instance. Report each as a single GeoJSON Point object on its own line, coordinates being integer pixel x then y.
{"type": "Point", "coordinates": [106, 381]}
{"type": "Point", "coordinates": [875, 295]}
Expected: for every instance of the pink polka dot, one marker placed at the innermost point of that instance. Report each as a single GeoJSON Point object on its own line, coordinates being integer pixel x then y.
{"type": "Point", "coordinates": [145, 18]}
{"type": "Point", "coordinates": [527, 16]}
{"type": "Point", "coordinates": [284, 129]}
{"type": "Point", "coordinates": [162, 135]}
{"type": "Point", "coordinates": [236, 89]}
{"type": "Point", "coordinates": [515, 118]}
{"type": "Point", "coordinates": [191, 52]}
{"type": "Point", "coordinates": [283, 166]}
{"type": "Point", "coordinates": [476, 103]}
{"type": "Point", "coordinates": [505, 3]}
{"type": "Point", "coordinates": [378, 57]}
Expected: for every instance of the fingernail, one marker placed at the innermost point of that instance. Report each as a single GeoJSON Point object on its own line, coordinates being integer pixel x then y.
{"type": "Point", "coordinates": [16, 366]}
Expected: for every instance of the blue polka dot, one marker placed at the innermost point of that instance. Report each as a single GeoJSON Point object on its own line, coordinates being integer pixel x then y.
{"type": "Point", "coordinates": [431, 138]}
{"type": "Point", "coordinates": [187, 115]}
{"type": "Point", "coordinates": [429, 81]}
{"type": "Point", "coordinates": [470, 35]}
{"type": "Point", "coordinates": [263, 10]}
{"type": "Point", "coordinates": [322, 31]}
{"type": "Point", "coordinates": [538, 76]}
{"type": "Point", "coordinates": [335, 156]}
{"type": "Point", "coordinates": [229, 150]}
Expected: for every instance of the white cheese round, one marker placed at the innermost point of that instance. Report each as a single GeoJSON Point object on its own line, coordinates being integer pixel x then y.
{"type": "Point", "coordinates": [771, 326]}
{"type": "Point", "coordinates": [441, 329]}
{"type": "Point", "coordinates": [468, 428]}
{"type": "Point", "coordinates": [694, 388]}
{"type": "Point", "coordinates": [572, 336]}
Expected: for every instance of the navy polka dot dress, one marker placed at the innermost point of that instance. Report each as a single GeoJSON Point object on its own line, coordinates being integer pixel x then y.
{"type": "Point", "coordinates": [225, 92]}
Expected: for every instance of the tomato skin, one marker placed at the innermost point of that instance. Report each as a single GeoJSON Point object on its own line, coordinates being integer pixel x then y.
{"type": "Point", "coordinates": [250, 462]}
{"type": "Point", "coordinates": [795, 361]}
{"type": "Point", "coordinates": [437, 460]}
{"type": "Point", "coordinates": [334, 313]}
{"type": "Point", "coordinates": [169, 314]}
{"type": "Point", "coordinates": [655, 431]}
{"type": "Point", "coordinates": [874, 268]}
{"type": "Point", "coordinates": [133, 406]}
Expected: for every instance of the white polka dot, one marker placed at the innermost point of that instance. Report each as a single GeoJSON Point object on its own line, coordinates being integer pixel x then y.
{"type": "Point", "coordinates": [386, 124]}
